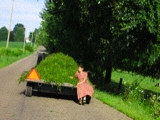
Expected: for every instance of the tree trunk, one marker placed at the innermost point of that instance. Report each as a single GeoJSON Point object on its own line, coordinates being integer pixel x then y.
{"type": "Point", "coordinates": [108, 74]}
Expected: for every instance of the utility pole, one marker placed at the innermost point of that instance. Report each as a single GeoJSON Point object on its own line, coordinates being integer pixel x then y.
{"type": "Point", "coordinates": [9, 25]}
{"type": "Point", "coordinates": [24, 43]}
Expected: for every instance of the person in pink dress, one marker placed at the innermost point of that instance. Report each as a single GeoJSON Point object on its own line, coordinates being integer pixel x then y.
{"type": "Point", "coordinates": [83, 86]}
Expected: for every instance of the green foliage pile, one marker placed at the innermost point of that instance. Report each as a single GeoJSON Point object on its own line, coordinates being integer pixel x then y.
{"type": "Point", "coordinates": [58, 68]}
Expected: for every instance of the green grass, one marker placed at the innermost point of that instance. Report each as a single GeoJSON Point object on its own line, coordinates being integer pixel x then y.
{"type": "Point", "coordinates": [13, 53]}
{"type": "Point", "coordinates": [12, 44]}
{"type": "Point", "coordinates": [5, 60]}
{"type": "Point", "coordinates": [132, 107]}
{"type": "Point", "coordinates": [146, 83]}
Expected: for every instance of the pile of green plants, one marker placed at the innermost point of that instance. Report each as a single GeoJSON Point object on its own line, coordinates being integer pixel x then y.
{"type": "Point", "coordinates": [56, 68]}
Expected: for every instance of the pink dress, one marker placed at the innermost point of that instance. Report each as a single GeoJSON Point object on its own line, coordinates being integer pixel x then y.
{"type": "Point", "coordinates": [83, 86]}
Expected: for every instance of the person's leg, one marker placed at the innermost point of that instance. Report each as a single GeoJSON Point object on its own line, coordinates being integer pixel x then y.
{"type": "Point", "coordinates": [80, 101]}
{"type": "Point", "coordinates": [84, 100]}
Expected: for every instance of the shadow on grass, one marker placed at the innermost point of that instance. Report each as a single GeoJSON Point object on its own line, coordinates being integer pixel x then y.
{"type": "Point", "coordinates": [119, 89]}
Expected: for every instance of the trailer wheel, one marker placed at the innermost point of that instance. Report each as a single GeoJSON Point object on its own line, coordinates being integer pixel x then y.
{"type": "Point", "coordinates": [28, 91]}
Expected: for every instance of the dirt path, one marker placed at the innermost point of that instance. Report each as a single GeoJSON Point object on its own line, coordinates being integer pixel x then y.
{"type": "Point", "coordinates": [14, 105]}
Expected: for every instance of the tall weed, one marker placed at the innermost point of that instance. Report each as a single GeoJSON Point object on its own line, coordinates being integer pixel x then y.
{"type": "Point", "coordinates": [135, 93]}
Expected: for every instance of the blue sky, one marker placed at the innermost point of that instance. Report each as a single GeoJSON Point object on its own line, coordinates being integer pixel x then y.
{"type": "Point", "coordinates": [25, 12]}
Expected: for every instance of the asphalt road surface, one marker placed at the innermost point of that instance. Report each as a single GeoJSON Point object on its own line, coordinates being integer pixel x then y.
{"type": "Point", "coordinates": [14, 105]}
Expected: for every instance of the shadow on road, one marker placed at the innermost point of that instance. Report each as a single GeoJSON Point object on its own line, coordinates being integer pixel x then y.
{"type": "Point", "coordinates": [56, 96]}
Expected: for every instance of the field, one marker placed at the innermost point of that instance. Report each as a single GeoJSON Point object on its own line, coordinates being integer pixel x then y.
{"type": "Point", "coordinates": [13, 53]}
{"type": "Point", "coordinates": [12, 44]}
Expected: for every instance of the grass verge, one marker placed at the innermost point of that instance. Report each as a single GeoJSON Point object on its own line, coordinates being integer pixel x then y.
{"type": "Point", "coordinates": [132, 99]}
{"type": "Point", "coordinates": [131, 109]}
{"type": "Point", "coordinates": [13, 53]}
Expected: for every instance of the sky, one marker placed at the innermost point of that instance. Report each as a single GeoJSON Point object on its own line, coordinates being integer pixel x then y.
{"type": "Point", "coordinates": [26, 12]}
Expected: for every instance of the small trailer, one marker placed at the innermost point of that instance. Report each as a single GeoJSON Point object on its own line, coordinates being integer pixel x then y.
{"type": "Point", "coordinates": [41, 86]}
{"type": "Point", "coordinates": [34, 83]}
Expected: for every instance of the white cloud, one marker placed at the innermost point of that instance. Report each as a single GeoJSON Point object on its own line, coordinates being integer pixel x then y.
{"type": "Point", "coordinates": [25, 12]}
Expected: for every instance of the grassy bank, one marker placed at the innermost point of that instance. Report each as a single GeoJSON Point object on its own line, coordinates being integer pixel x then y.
{"type": "Point", "coordinates": [13, 53]}
{"type": "Point", "coordinates": [138, 98]}
{"type": "Point", "coordinates": [130, 108]}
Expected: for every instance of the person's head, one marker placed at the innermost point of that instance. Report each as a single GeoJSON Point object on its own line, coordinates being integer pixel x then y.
{"type": "Point", "coordinates": [80, 68]}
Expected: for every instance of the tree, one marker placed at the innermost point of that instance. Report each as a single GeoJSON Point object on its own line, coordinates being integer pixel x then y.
{"type": "Point", "coordinates": [105, 34]}
{"type": "Point", "coordinates": [33, 35]}
{"type": "Point", "coordinates": [138, 31]}
{"type": "Point", "coordinates": [18, 32]}
{"type": "Point", "coordinates": [3, 34]}
{"type": "Point", "coordinates": [11, 38]}
{"type": "Point", "coordinates": [41, 36]}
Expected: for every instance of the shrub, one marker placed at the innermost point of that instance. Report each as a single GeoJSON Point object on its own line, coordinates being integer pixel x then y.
{"type": "Point", "coordinates": [29, 48]}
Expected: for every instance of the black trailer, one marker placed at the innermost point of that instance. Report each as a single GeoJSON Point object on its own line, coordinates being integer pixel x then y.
{"type": "Point", "coordinates": [42, 86]}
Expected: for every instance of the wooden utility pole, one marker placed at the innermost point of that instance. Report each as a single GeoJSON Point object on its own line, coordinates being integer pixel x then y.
{"type": "Point", "coordinates": [24, 43]}
{"type": "Point", "coordinates": [9, 25]}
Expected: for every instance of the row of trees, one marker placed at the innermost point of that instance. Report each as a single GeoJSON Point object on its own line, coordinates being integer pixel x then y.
{"type": "Point", "coordinates": [105, 34]}
{"type": "Point", "coordinates": [17, 34]}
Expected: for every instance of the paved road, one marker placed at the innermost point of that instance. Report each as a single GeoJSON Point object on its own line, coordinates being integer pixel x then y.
{"type": "Point", "coordinates": [14, 105]}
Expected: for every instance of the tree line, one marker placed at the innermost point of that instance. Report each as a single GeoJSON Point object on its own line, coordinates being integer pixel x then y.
{"type": "Point", "coordinates": [105, 34]}
{"type": "Point", "coordinates": [17, 34]}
